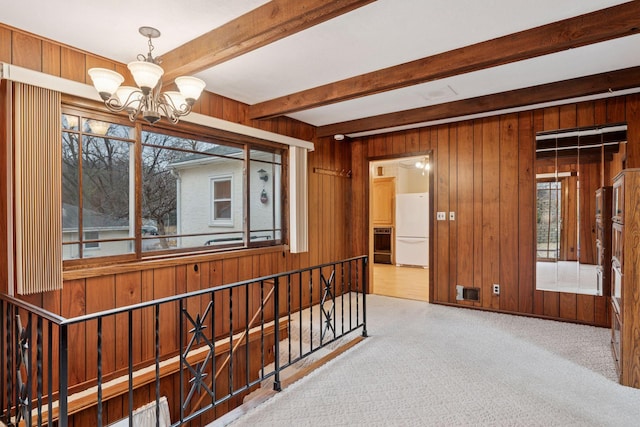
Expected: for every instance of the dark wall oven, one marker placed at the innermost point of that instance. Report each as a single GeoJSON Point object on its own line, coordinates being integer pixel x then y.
{"type": "Point", "coordinates": [382, 245]}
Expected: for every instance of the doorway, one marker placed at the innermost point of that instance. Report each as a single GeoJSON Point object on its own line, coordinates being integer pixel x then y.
{"type": "Point", "coordinates": [400, 189]}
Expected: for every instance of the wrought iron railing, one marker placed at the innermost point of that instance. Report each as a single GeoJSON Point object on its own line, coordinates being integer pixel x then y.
{"type": "Point", "coordinates": [222, 352]}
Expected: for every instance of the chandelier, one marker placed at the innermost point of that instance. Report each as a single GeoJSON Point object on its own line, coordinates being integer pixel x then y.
{"type": "Point", "coordinates": [147, 100]}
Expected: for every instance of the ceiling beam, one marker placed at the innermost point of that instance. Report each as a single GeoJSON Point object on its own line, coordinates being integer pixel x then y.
{"type": "Point", "coordinates": [583, 86]}
{"type": "Point", "coordinates": [266, 24]}
{"type": "Point", "coordinates": [606, 24]}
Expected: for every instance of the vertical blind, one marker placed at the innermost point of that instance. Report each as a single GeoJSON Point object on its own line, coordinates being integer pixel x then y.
{"type": "Point", "coordinates": [37, 191]}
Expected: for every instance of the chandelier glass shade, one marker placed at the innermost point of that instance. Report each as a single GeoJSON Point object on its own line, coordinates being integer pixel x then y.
{"type": "Point", "coordinates": [147, 99]}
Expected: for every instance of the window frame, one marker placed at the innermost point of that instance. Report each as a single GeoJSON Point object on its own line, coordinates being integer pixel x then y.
{"type": "Point", "coordinates": [213, 221]}
{"type": "Point", "coordinates": [189, 131]}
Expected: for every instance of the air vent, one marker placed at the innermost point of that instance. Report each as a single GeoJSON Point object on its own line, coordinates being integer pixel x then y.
{"type": "Point", "coordinates": [467, 294]}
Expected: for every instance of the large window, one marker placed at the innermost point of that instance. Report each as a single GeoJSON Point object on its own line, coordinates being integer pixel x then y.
{"type": "Point", "coordinates": [96, 187]}
{"type": "Point", "coordinates": [186, 192]}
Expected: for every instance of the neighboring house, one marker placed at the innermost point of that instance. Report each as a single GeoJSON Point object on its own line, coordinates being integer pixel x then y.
{"type": "Point", "coordinates": [210, 197]}
{"type": "Point", "coordinates": [95, 226]}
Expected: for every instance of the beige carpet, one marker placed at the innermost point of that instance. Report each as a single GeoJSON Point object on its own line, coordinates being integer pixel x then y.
{"type": "Point", "coordinates": [429, 365]}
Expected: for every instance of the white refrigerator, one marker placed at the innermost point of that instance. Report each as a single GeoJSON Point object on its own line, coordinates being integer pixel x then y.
{"type": "Point", "coordinates": [412, 229]}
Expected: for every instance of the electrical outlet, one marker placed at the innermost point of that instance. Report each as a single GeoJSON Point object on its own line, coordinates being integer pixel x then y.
{"type": "Point", "coordinates": [452, 216]}
{"type": "Point", "coordinates": [496, 289]}
{"type": "Point", "coordinates": [441, 216]}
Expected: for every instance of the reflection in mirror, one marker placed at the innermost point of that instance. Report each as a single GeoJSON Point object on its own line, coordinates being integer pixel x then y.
{"type": "Point", "coordinates": [571, 166]}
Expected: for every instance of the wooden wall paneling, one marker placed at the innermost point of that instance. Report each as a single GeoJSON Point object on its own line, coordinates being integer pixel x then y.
{"type": "Point", "coordinates": [399, 143]}
{"type": "Point", "coordinates": [342, 206]}
{"type": "Point", "coordinates": [51, 301]}
{"type": "Point", "coordinates": [585, 114]}
{"type": "Point", "coordinates": [51, 58]}
{"type": "Point", "coordinates": [509, 213]}
{"type": "Point", "coordinates": [128, 291]}
{"type": "Point", "coordinates": [101, 295]}
{"type": "Point", "coordinates": [246, 272]}
{"type": "Point", "coordinates": [616, 109]}
{"type": "Point", "coordinates": [359, 198]}
{"type": "Point", "coordinates": [264, 267]}
{"type": "Point", "coordinates": [220, 322]}
{"type": "Point", "coordinates": [384, 147]}
{"type": "Point", "coordinates": [230, 110]}
{"type": "Point", "coordinates": [490, 211]}
{"type": "Point", "coordinates": [632, 113]}
{"type": "Point", "coordinates": [222, 384]}
{"type": "Point", "coordinates": [326, 218]}
{"type": "Point", "coordinates": [602, 309]}
{"type": "Point", "coordinates": [6, 37]}
{"type": "Point", "coordinates": [26, 51]}
{"type": "Point", "coordinates": [526, 213]}
{"type": "Point", "coordinates": [568, 305]}
{"type": "Point", "coordinates": [538, 126]}
{"type": "Point", "coordinates": [551, 119]}
{"type": "Point", "coordinates": [147, 315]}
{"type": "Point", "coordinates": [314, 206]}
{"type": "Point", "coordinates": [231, 308]}
{"type": "Point", "coordinates": [600, 111]}
{"type": "Point", "coordinates": [413, 141]}
{"type": "Point", "coordinates": [164, 285]}
{"type": "Point", "coordinates": [425, 139]}
{"type": "Point", "coordinates": [73, 304]}
{"type": "Point", "coordinates": [551, 304]}
{"type": "Point", "coordinates": [477, 207]}
{"type": "Point", "coordinates": [72, 65]}
{"type": "Point", "coordinates": [141, 396]}
{"type": "Point", "coordinates": [568, 116]}
{"type": "Point", "coordinates": [113, 410]}
{"type": "Point", "coordinates": [442, 244]}
{"type": "Point", "coordinates": [453, 207]}
{"type": "Point", "coordinates": [204, 300]}
{"type": "Point", "coordinates": [86, 417]}
{"type": "Point", "coordinates": [204, 103]}
{"type": "Point", "coordinates": [190, 283]}
{"type": "Point", "coordinates": [170, 386]}
{"type": "Point", "coordinates": [465, 213]}
{"type": "Point", "coordinates": [585, 308]}
{"type": "Point", "coordinates": [368, 142]}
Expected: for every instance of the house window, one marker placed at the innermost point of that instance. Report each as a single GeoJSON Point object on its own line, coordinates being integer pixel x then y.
{"type": "Point", "coordinates": [91, 235]}
{"type": "Point", "coordinates": [221, 201]}
{"type": "Point", "coordinates": [135, 190]}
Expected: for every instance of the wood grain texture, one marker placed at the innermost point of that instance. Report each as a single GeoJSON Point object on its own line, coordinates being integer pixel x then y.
{"type": "Point", "coordinates": [441, 199]}
{"type": "Point", "coordinates": [509, 246]}
{"type": "Point", "coordinates": [464, 214]}
{"type": "Point", "coordinates": [453, 207]}
{"type": "Point", "coordinates": [27, 51]}
{"type": "Point", "coordinates": [630, 268]}
{"type": "Point", "coordinates": [526, 213]}
{"type": "Point", "coordinates": [503, 190]}
{"type": "Point", "coordinates": [491, 252]}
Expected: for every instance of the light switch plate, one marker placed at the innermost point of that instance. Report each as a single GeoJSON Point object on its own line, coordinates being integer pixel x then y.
{"type": "Point", "coordinates": [441, 216]}
{"type": "Point", "coordinates": [452, 216]}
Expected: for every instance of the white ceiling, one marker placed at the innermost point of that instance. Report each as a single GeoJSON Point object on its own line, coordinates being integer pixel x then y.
{"type": "Point", "coordinates": [381, 34]}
